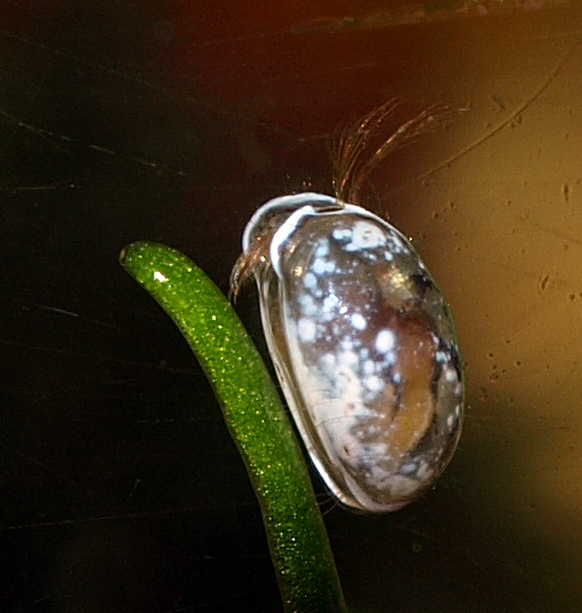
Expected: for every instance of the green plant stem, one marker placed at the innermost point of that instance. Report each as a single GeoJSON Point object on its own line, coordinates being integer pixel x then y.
{"type": "Point", "coordinates": [256, 419]}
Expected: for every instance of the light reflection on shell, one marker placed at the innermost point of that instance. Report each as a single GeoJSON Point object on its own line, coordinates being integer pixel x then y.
{"type": "Point", "coordinates": [363, 344]}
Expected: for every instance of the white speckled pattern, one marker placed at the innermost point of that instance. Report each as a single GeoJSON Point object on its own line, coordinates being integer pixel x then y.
{"type": "Point", "coordinates": [364, 347]}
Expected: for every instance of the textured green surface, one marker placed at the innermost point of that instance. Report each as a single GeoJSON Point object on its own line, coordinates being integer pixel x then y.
{"type": "Point", "coordinates": [257, 422]}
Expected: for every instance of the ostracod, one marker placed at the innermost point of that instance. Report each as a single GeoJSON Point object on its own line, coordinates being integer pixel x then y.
{"type": "Point", "coordinates": [363, 345]}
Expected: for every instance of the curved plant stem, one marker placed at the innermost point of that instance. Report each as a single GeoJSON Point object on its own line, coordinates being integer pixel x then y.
{"type": "Point", "coordinates": [256, 419]}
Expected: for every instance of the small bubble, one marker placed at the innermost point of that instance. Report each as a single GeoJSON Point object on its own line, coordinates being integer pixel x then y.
{"type": "Point", "coordinates": [163, 31]}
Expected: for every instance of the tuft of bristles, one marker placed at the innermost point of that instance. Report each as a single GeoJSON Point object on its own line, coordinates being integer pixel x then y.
{"type": "Point", "coordinates": [353, 163]}
{"type": "Point", "coordinates": [249, 260]}
{"type": "Point", "coordinates": [352, 167]}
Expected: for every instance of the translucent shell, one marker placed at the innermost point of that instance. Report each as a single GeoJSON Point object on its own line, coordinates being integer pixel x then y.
{"type": "Point", "coordinates": [363, 344]}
